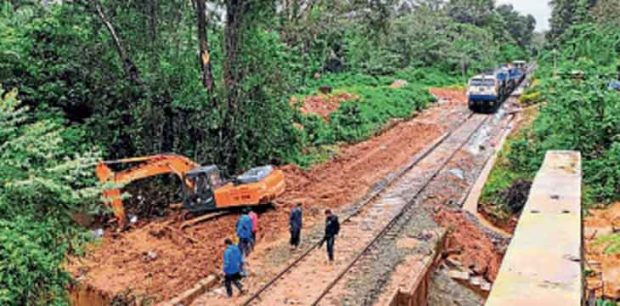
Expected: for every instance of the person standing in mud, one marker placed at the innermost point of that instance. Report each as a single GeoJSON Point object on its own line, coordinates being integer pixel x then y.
{"type": "Point", "coordinates": [332, 228]}
{"type": "Point", "coordinates": [244, 232]}
{"type": "Point", "coordinates": [233, 262]}
{"type": "Point", "coordinates": [295, 223]}
{"type": "Point", "coordinates": [254, 218]}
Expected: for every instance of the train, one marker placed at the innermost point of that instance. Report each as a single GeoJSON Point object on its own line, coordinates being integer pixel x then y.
{"type": "Point", "coordinates": [487, 91]}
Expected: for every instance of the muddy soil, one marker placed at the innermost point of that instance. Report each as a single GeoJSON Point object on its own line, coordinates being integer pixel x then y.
{"type": "Point", "coordinates": [468, 243]}
{"type": "Point", "coordinates": [439, 206]}
{"type": "Point", "coordinates": [449, 95]}
{"type": "Point", "coordinates": [160, 261]}
{"type": "Point", "coordinates": [604, 279]}
{"type": "Point", "coordinates": [323, 105]}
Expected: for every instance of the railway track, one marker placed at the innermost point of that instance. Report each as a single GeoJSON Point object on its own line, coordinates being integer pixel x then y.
{"type": "Point", "coordinates": [371, 220]}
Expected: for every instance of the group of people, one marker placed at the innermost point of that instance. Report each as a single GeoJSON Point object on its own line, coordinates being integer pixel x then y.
{"type": "Point", "coordinates": [247, 229]}
{"type": "Point", "coordinates": [234, 255]}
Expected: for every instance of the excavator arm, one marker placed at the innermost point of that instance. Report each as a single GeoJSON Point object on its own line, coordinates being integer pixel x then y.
{"type": "Point", "coordinates": [148, 166]}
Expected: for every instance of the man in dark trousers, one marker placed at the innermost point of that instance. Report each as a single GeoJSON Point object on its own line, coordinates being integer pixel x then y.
{"type": "Point", "coordinates": [332, 227]}
{"type": "Point", "coordinates": [244, 232]}
{"type": "Point", "coordinates": [295, 222]}
{"type": "Point", "coordinates": [233, 261]}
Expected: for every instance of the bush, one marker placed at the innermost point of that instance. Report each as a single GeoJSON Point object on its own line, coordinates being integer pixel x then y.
{"type": "Point", "coordinates": [358, 119]}
{"type": "Point", "coordinates": [578, 114]}
{"type": "Point", "coordinates": [42, 184]}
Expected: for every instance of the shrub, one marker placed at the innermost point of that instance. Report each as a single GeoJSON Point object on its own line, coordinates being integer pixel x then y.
{"type": "Point", "coordinates": [42, 184]}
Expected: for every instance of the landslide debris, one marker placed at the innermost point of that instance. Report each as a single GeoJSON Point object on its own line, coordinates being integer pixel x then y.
{"type": "Point", "coordinates": [183, 257]}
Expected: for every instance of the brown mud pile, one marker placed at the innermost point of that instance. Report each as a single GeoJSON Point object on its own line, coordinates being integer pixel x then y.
{"type": "Point", "coordinates": [449, 94]}
{"type": "Point", "coordinates": [468, 245]}
{"type": "Point", "coordinates": [604, 279]}
{"type": "Point", "coordinates": [323, 105]}
{"type": "Point", "coordinates": [160, 261]}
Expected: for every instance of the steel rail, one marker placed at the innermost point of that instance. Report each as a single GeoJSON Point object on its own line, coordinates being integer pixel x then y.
{"type": "Point", "coordinates": [397, 217]}
{"type": "Point", "coordinates": [359, 206]}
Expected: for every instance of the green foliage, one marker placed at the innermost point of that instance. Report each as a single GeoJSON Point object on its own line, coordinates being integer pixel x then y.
{"type": "Point", "coordinates": [358, 119]}
{"type": "Point", "coordinates": [477, 12]}
{"type": "Point", "coordinates": [521, 28]}
{"type": "Point", "coordinates": [577, 114]}
{"type": "Point", "coordinates": [41, 185]}
{"type": "Point", "coordinates": [266, 88]}
{"type": "Point", "coordinates": [611, 242]}
{"type": "Point", "coordinates": [76, 95]}
{"type": "Point", "coordinates": [603, 302]}
{"type": "Point", "coordinates": [607, 13]}
{"type": "Point", "coordinates": [566, 13]}
{"type": "Point", "coordinates": [65, 61]}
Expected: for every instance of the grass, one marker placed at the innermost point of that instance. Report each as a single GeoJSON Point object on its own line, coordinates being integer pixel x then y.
{"type": "Point", "coordinates": [502, 175]}
{"type": "Point", "coordinates": [359, 119]}
{"type": "Point", "coordinates": [611, 242]}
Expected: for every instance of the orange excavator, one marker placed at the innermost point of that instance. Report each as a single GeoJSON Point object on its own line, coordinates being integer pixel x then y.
{"type": "Point", "coordinates": [203, 188]}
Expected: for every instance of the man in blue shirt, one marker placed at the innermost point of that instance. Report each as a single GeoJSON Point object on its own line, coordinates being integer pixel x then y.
{"type": "Point", "coordinates": [295, 224]}
{"type": "Point", "coordinates": [233, 261]}
{"type": "Point", "coordinates": [244, 232]}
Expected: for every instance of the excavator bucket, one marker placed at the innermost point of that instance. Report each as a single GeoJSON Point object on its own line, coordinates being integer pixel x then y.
{"type": "Point", "coordinates": [147, 166]}
{"type": "Point", "coordinates": [112, 196]}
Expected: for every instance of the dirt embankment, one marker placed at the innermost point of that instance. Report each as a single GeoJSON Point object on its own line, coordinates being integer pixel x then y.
{"type": "Point", "coordinates": [468, 245]}
{"type": "Point", "coordinates": [604, 278]}
{"type": "Point", "coordinates": [323, 104]}
{"type": "Point", "coordinates": [159, 260]}
{"type": "Point", "coordinates": [449, 95]}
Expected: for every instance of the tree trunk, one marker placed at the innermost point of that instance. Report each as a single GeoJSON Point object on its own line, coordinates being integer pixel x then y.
{"type": "Point", "coordinates": [132, 72]}
{"type": "Point", "coordinates": [233, 73]}
{"type": "Point", "coordinates": [205, 55]}
{"type": "Point", "coordinates": [153, 20]}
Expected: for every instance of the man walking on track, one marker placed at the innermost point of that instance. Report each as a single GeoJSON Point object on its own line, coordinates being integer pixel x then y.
{"type": "Point", "coordinates": [332, 227]}
{"type": "Point", "coordinates": [295, 223]}
{"type": "Point", "coordinates": [244, 233]}
{"type": "Point", "coordinates": [233, 260]}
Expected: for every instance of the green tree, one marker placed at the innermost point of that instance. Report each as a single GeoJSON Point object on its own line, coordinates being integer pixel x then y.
{"type": "Point", "coordinates": [476, 12]}
{"type": "Point", "coordinates": [42, 185]}
{"type": "Point", "coordinates": [520, 27]}
{"type": "Point", "coordinates": [607, 12]}
{"type": "Point", "coordinates": [565, 13]}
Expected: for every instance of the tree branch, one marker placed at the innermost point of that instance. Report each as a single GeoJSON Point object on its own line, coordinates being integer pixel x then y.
{"type": "Point", "coordinates": [132, 72]}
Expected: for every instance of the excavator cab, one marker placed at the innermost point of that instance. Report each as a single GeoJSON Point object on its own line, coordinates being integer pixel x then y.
{"type": "Point", "coordinates": [199, 188]}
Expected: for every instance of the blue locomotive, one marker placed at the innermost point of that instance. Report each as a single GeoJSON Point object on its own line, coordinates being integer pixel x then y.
{"type": "Point", "coordinates": [487, 91]}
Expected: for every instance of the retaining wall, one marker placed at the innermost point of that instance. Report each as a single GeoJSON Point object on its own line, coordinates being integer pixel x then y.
{"type": "Point", "coordinates": [415, 293]}
{"type": "Point", "coordinates": [543, 264]}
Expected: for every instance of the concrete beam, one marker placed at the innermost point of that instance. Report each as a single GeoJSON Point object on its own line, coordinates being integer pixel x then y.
{"type": "Point", "coordinates": [543, 264]}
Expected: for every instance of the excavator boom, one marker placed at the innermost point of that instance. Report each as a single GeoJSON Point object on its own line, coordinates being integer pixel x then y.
{"type": "Point", "coordinates": [150, 166]}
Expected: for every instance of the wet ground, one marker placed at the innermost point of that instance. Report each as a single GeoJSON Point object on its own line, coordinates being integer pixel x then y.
{"type": "Point", "coordinates": [469, 244]}
{"type": "Point", "coordinates": [158, 260]}
{"type": "Point", "coordinates": [362, 228]}
{"type": "Point", "coordinates": [469, 247]}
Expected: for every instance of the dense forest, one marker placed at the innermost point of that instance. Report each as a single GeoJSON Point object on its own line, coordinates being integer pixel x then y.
{"type": "Point", "coordinates": [214, 80]}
